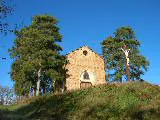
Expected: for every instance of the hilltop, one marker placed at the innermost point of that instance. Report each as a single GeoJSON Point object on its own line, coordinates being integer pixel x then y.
{"type": "Point", "coordinates": [133, 100]}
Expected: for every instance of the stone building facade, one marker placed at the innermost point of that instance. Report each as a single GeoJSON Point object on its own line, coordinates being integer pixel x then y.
{"type": "Point", "coordinates": [85, 68]}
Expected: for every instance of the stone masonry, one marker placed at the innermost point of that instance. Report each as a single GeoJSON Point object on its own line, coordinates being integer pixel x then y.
{"type": "Point", "coordinates": [85, 68]}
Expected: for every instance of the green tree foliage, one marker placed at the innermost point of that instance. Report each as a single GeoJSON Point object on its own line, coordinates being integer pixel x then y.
{"type": "Point", "coordinates": [115, 60]}
{"type": "Point", "coordinates": [38, 63]}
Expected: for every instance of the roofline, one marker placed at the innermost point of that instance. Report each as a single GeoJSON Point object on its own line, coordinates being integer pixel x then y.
{"type": "Point", "coordinates": [88, 48]}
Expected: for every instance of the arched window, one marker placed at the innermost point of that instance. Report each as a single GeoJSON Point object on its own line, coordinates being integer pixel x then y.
{"type": "Point", "coordinates": [86, 75]}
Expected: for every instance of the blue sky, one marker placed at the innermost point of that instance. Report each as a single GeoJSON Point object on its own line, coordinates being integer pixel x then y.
{"type": "Point", "coordinates": [88, 22]}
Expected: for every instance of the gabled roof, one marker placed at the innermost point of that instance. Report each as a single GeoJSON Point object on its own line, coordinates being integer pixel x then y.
{"type": "Point", "coordinates": [88, 48]}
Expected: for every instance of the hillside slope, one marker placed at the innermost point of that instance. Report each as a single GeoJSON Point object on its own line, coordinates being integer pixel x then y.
{"type": "Point", "coordinates": [134, 100]}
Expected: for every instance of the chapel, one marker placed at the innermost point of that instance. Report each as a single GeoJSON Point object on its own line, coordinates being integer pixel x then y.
{"type": "Point", "coordinates": [85, 68]}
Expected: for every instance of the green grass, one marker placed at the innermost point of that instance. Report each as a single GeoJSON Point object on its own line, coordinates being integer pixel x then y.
{"type": "Point", "coordinates": [127, 101]}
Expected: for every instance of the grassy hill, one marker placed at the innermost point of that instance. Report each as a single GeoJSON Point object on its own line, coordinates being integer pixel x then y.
{"type": "Point", "coordinates": [127, 101]}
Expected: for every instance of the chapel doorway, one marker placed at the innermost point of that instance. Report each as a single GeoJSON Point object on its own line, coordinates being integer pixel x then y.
{"type": "Point", "coordinates": [85, 80]}
{"type": "Point", "coordinates": [85, 84]}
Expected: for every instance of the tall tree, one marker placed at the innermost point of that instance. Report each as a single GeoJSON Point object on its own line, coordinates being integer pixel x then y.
{"type": "Point", "coordinates": [38, 62]}
{"type": "Point", "coordinates": [122, 56]}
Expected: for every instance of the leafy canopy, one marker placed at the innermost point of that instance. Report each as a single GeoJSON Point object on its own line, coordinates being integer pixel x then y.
{"type": "Point", "coordinates": [115, 60]}
{"type": "Point", "coordinates": [35, 47]}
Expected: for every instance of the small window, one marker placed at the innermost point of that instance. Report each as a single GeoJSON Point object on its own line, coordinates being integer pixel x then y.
{"type": "Point", "coordinates": [86, 75]}
{"type": "Point", "coordinates": [85, 52]}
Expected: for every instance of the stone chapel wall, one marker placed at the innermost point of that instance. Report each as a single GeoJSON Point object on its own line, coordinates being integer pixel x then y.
{"type": "Point", "coordinates": [78, 63]}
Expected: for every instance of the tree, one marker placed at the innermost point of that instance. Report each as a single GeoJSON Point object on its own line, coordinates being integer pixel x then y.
{"type": "Point", "coordinates": [7, 96]}
{"type": "Point", "coordinates": [122, 56]}
{"type": "Point", "coordinates": [5, 10]}
{"type": "Point", "coordinates": [38, 62]}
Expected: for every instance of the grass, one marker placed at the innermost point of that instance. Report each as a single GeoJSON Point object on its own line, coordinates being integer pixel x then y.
{"type": "Point", "coordinates": [127, 101]}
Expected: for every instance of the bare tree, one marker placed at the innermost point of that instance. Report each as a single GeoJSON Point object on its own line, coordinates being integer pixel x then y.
{"type": "Point", "coordinates": [7, 96]}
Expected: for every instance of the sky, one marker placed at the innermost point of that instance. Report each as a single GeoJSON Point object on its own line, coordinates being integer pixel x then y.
{"type": "Point", "coordinates": [89, 22]}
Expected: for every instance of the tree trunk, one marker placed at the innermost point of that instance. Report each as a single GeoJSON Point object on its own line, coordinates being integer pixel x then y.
{"type": "Point", "coordinates": [63, 87]}
{"type": "Point", "coordinates": [127, 68]}
{"type": "Point", "coordinates": [38, 82]}
{"type": "Point", "coordinates": [128, 71]}
{"type": "Point", "coordinates": [34, 91]}
{"type": "Point", "coordinates": [54, 85]}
